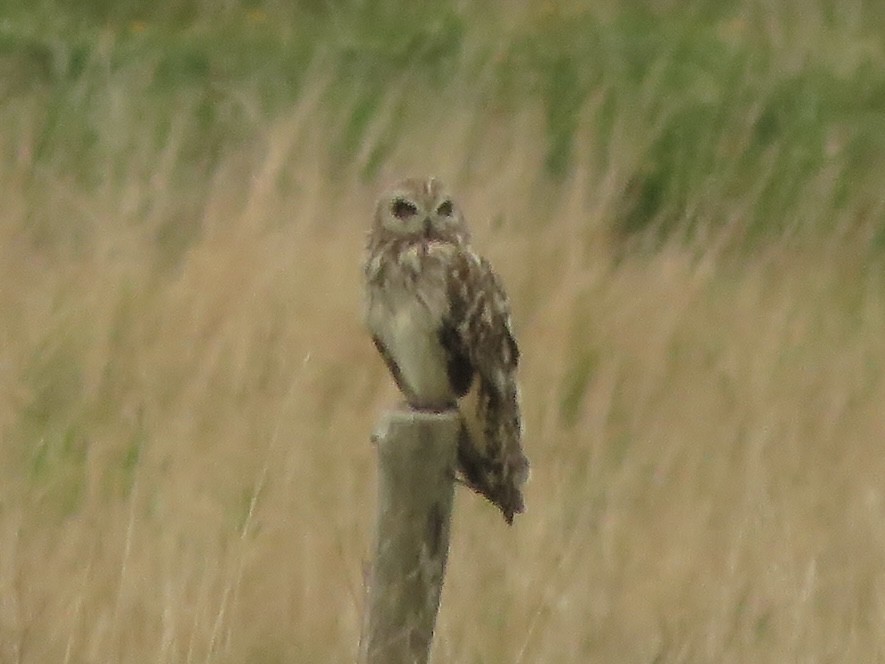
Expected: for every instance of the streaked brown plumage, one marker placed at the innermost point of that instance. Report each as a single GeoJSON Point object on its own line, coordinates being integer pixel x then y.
{"type": "Point", "coordinates": [440, 318]}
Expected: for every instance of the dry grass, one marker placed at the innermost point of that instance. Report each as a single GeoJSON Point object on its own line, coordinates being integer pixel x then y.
{"type": "Point", "coordinates": [186, 473]}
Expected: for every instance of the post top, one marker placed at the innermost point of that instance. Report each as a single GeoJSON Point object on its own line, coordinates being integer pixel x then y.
{"type": "Point", "coordinates": [404, 416]}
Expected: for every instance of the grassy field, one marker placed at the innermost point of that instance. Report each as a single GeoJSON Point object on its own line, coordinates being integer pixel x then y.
{"type": "Point", "coordinates": [685, 201]}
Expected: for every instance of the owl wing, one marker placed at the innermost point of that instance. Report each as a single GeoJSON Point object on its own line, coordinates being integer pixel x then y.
{"type": "Point", "coordinates": [478, 337]}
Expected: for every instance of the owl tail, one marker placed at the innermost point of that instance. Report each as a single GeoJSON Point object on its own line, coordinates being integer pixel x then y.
{"type": "Point", "coordinates": [495, 466]}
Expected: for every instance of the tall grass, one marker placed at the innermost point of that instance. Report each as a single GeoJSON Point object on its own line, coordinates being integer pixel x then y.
{"type": "Point", "coordinates": [684, 203]}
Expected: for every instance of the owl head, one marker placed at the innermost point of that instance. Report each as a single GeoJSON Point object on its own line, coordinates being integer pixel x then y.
{"type": "Point", "coordinates": [419, 209]}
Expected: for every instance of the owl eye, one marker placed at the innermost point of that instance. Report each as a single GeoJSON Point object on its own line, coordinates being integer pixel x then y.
{"type": "Point", "coordinates": [403, 209]}
{"type": "Point", "coordinates": [445, 209]}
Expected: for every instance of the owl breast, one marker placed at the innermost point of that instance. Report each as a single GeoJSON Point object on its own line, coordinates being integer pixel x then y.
{"type": "Point", "coordinates": [405, 313]}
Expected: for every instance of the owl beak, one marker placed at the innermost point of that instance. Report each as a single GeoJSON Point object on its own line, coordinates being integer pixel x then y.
{"type": "Point", "coordinates": [428, 226]}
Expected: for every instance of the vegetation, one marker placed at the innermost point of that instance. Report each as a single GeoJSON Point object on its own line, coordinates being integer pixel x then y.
{"type": "Point", "coordinates": [685, 202]}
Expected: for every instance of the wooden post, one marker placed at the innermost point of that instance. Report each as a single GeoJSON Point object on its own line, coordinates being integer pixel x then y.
{"type": "Point", "coordinates": [416, 467]}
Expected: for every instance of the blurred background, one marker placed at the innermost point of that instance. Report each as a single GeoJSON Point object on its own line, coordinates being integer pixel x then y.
{"type": "Point", "coordinates": [685, 201]}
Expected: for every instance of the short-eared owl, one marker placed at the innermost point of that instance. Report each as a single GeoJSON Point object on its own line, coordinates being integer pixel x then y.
{"type": "Point", "coordinates": [439, 317]}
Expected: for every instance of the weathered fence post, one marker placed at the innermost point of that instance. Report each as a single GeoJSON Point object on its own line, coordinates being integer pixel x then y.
{"type": "Point", "coordinates": [416, 466]}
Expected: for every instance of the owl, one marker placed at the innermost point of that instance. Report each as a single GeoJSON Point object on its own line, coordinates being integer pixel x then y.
{"type": "Point", "coordinates": [440, 318]}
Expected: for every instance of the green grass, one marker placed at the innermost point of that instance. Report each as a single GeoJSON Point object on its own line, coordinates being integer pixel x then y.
{"type": "Point", "coordinates": [728, 99]}
{"type": "Point", "coordinates": [685, 203]}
